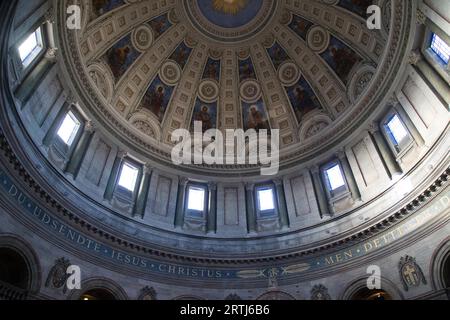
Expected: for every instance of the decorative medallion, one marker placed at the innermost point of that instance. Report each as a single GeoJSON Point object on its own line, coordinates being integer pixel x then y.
{"type": "Point", "coordinates": [318, 39]}
{"type": "Point", "coordinates": [250, 91]}
{"type": "Point", "coordinates": [209, 91]}
{"type": "Point", "coordinates": [411, 273]}
{"type": "Point", "coordinates": [320, 292]}
{"type": "Point", "coordinates": [170, 73]}
{"type": "Point", "coordinates": [57, 277]}
{"type": "Point", "coordinates": [142, 38]}
{"type": "Point", "coordinates": [289, 74]}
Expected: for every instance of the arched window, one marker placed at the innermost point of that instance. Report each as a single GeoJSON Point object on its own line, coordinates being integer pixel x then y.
{"type": "Point", "coordinates": [97, 294]}
{"type": "Point", "coordinates": [14, 275]}
{"type": "Point", "coordinates": [367, 294]}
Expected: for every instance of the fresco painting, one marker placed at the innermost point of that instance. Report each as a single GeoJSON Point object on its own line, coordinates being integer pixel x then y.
{"type": "Point", "coordinates": [100, 7]}
{"type": "Point", "coordinates": [341, 58]}
{"type": "Point", "coordinates": [300, 26]}
{"type": "Point", "coordinates": [157, 98]}
{"type": "Point", "coordinates": [206, 113]}
{"type": "Point", "coordinates": [278, 55]}
{"type": "Point", "coordinates": [121, 56]}
{"type": "Point", "coordinates": [160, 25]}
{"type": "Point", "coordinates": [302, 98]}
{"type": "Point", "coordinates": [246, 69]}
{"type": "Point", "coordinates": [255, 116]}
{"type": "Point", "coordinates": [181, 54]}
{"type": "Point", "coordinates": [212, 70]}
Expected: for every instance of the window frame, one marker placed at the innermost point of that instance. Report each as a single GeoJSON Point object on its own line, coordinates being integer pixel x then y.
{"type": "Point", "coordinates": [74, 134]}
{"type": "Point", "coordinates": [60, 145]}
{"type": "Point", "coordinates": [340, 191]}
{"type": "Point", "coordinates": [398, 148]}
{"type": "Point", "coordinates": [35, 56]}
{"type": "Point", "coordinates": [266, 214]}
{"type": "Point", "coordinates": [196, 214]}
{"type": "Point", "coordinates": [123, 192]}
{"type": "Point", "coordinates": [430, 56]}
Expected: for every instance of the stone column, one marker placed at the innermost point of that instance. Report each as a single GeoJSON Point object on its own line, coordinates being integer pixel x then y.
{"type": "Point", "coordinates": [49, 23]}
{"type": "Point", "coordinates": [281, 201]}
{"type": "Point", "coordinates": [181, 197]}
{"type": "Point", "coordinates": [386, 154]}
{"type": "Point", "coordinates": [113, 176]}
{"type": "Point", "coordinates": [142, 195]}
{"type": "Point", "coordinates": [352, 185]}
{"type": "Point", "coordinates": [76, 158]}
{"type": "Point", "coordinates": [250, 205]}
{"type": "Point", "coordinates": [322, 201]}
{"type": "Point", "coordinates": [212, 211]}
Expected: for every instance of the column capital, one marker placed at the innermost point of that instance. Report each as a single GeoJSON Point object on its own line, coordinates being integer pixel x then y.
{"type": "Point", "coordinates": [49, 15]}
{"type": "Point", "coordinates": [51, 53]}
{"type": "Point", "coordinates": [341, 154]}
{"type": "Point", "coordinates": [315, 169]}
{"type": "Point", "coordinates": [89, 126]}
{"type": "Point", "coordinates": [148, 168]}
{"type": "Point", "coordinates": [249, 186]}
{"type": "Point", "coordinates": [121, 154]}
{"type": "Point", "coordinates": [278, 182]}
{"type": "Point", "coordinates": [373, 127]}
{"type": "Point", "coordinates": [414, 57]}
{"type": "Point", "coordinates": [183, 181]}
{"type": "Point", "coordinates": [71, 99]}
{"type": "Point", "coordinates": [212, 186]}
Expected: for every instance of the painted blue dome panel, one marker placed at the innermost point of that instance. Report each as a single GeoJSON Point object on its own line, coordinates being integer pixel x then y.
{"type": "Point", "coordinates": [241, 17]}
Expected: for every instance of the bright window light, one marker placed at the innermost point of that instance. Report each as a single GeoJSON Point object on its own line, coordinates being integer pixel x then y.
{"type": "Point", "coordinates": [397, 129]}
{"type": "Point", "coordinates": [196, 199]}
{"type": "Point", "coordinates": [440, 48]}
{"type": "Point", "coordinates": [69, 128]}
{"type": "Point", "coordinates": [31, 47]}
{"type": "Point", "coordinates": [128, 176]}
{"type": "Point", "coordinates": [335, 177]}
{"type": "Point", "coordinates": [265, 199]}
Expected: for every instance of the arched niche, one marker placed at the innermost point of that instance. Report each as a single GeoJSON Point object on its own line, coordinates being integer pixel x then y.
{"type": "Point", "coordinates": [358, 291]}
{"type": "Point", "coordinates": [440, 266]}
{"type": "Point", "coordinates": [20, 273]}
{"type": "Point", "coordinates": [276, 295]}
{"type": "Point", "coordinates": [98, 289]}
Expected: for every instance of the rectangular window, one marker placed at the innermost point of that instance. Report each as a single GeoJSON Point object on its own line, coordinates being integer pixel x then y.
{"type": "Point", "coordinates": [266, 199]}
{"type": "Point", "coordinates": [396, 130]}
{"type": "Point", "coordinates": [128, 177]}
{"type": "Point", "coordinates": [196, 199]}
{"type": "Point", "coordinates": [30, 48]}
{"type": "Point", "coordinates": [69, 128]}
{"type": "Point", "coordinates": [440, 48]}
{"type": "Point", "coordinates": [335, 177]}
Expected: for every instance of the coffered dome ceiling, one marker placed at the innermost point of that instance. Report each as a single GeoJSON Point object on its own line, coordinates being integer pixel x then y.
{"type": "Point", "coordinates": [309, 68]}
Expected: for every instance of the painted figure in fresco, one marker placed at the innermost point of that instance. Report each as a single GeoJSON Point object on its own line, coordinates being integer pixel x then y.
{"type": "Point", "coordinates": [181, 55]}
{"type": "Point", "coordinates": [117, 58]}
{"type": "Point", "coordinates": [256, 119]}
{"type": "Point", "coordinates": [99, 5]}
{"type": "Point", "coordinates": [205, 118]}
{"type": "Point", "coordinates": [301, 27]}
{"type": "Point", "coordinates": [211, 71]}
{"type": "Point", "coordinates": [158, 27]}
{"type": "Point", "coordinates": [304, 102]}
{"type": "Point", "coordinates": [278, 56]}
{"type": "Point", "coordinates": [344, 60]}
{"type": "Point", "coordinates": [154, 102]}
{"type": "Point", "coordinates": [247, 71]}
